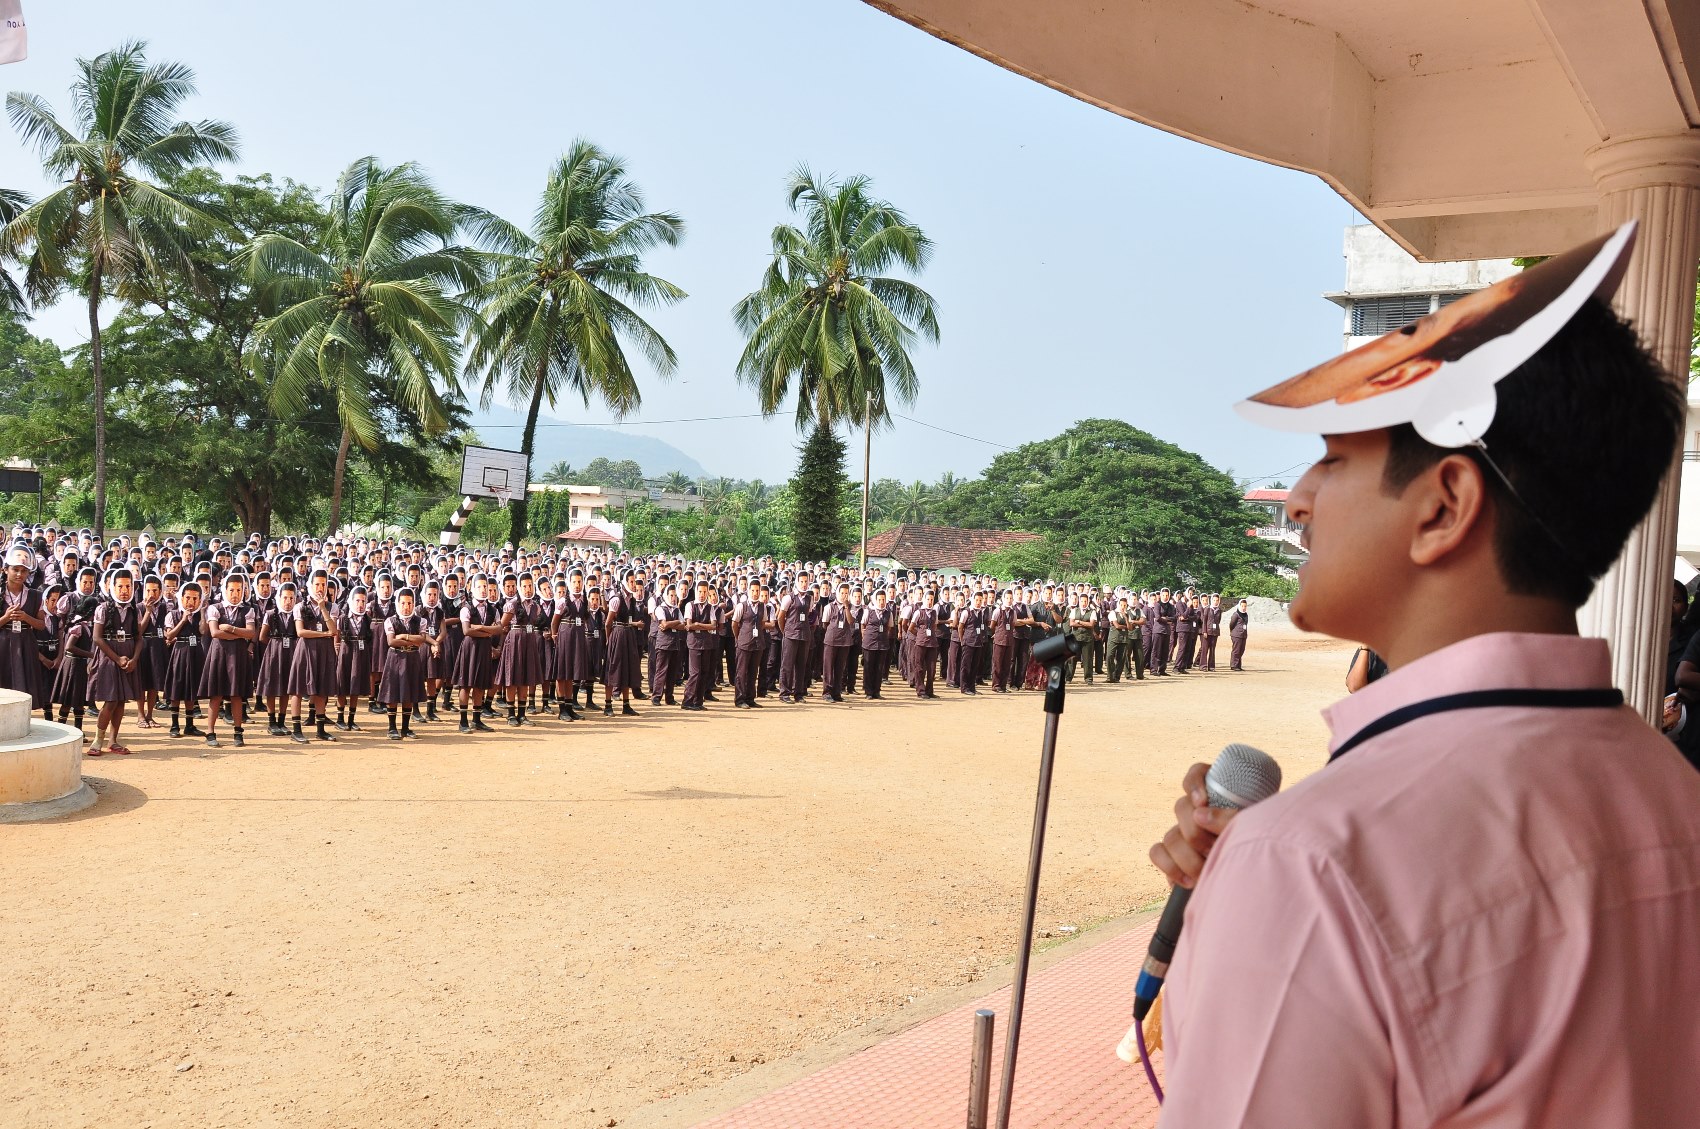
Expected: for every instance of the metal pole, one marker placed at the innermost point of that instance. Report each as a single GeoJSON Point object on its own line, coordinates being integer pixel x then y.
{"type": "Point", "coordinates": [980, 1075]}
{"type": "Point", "coordinates": [867, 462]}
{"type": "Point", "coordinates": [1054, 691]}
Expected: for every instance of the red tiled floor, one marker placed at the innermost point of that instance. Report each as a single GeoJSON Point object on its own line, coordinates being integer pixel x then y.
{"type": "Point", "coordinates": [1068, 1073]}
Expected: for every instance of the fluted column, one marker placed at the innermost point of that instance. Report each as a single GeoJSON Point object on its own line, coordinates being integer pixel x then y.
{"type": "Point", "coordinates": [1655, 180]}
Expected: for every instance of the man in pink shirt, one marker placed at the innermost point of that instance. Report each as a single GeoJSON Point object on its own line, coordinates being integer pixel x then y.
{"type": "Point", "coordinates": [1483, 912]}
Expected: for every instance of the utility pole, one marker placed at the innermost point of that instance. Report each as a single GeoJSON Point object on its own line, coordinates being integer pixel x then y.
{"type": "Point", "coordinates": [867, 460]}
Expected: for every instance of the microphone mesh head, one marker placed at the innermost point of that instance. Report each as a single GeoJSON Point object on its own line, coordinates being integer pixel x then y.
{"type": "Point", "coordinates": [1241, 776]}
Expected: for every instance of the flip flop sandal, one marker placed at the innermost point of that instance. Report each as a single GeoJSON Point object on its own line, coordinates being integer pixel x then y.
{"type": "Point", "coordinates": [118, 749]}
{"type": "Point", "coordinates": [94, 751]}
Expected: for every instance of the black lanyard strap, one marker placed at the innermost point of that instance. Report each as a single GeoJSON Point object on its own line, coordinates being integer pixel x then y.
{"type": "Point", "coordinates": [1479, 700]}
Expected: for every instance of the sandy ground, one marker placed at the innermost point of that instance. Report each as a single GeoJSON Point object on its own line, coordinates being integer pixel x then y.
{"type": "Point", "coordinates": [574, 925]}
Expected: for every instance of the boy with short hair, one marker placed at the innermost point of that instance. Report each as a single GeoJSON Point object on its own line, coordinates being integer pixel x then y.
{"type": "Point", "coordinates": [1481, 912]}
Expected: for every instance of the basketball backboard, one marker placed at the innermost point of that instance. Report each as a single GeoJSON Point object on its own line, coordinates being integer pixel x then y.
{"type": "Point", "coordinates": [486, 472]}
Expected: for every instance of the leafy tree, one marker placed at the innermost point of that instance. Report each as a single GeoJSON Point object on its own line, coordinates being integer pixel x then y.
{"type": "Point", "coordinates": [828, 319]}
{"type": "Point", "coordinates": [946, 486]}
{"type": "Point", "coordinates": [1044, 559]}
{"type": "Point", "coordinates": [715, 492]}
{"type": "Point", "coordinates": [626, 474]}
{"type": "Point", "coordinates": [819, 526]}
{"type": "Point", "coordinates": [559, 474]}
{"type": "Point", "coordinates": [366, 310]}
{"type": "Point", "coordinates": [914, 503]}
{"type": "Point", "coordinates": [113, 225]}
{"type": "Point", "coordinates": [676, 482]}
{"type": "Point", "coordinates": [1105, 489]}
{"type": "Point", "coordinates": [12, 205]}
{"type": "Point", "coordinates": [563, 296]}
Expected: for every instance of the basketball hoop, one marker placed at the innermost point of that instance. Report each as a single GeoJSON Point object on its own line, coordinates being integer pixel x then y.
{"type": "Point", "coordinates": [502, 494]}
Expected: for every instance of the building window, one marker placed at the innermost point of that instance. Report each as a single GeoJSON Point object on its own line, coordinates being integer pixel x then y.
{"type": "Point", "coordinates": [1371, 317]}
{"type": "Point", "coordinates": [575, 513]}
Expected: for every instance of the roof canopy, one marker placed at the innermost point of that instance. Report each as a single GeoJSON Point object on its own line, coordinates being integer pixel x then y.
{"type": "Point", "coordinates": [1462, 128]}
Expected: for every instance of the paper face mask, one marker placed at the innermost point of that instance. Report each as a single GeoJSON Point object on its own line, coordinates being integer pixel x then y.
{"type": "Point", "coordinates": [1438, 373]}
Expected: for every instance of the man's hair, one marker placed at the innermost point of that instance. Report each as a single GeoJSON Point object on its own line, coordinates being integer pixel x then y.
{"type": "Point", "coordinates": [1585, 430]}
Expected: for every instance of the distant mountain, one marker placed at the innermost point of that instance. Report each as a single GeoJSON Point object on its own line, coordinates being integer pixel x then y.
{"type": "Point", "coordinates": [503, 427]}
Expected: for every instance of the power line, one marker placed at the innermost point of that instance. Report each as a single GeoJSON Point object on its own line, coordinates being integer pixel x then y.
{"type": "Point", "coordinates": [958, 434]}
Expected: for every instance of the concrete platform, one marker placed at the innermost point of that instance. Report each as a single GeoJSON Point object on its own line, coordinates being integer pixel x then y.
{"type": "Point", "coordinates": [41, 764]}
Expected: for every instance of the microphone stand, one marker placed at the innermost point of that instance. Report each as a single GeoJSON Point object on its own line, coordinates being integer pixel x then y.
{"type": "Point", "coordinates": [1053, 654]}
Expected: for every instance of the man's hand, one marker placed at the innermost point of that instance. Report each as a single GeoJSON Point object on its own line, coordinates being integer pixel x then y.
{"type": "Point", "coordinates": [1181, 853]}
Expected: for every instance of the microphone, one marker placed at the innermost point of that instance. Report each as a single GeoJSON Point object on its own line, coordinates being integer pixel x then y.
{"type": "Point", "coordinates": [1240, 777]}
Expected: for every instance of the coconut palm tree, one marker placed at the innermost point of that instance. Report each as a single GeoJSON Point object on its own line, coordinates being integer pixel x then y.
{"type": "Point", "coordinates": [12, 205]}
{"type": "Point", "coordinates": [111, 226]}
{"type": "Point", "coordinates": [714, 492]}
{"type": "Point", "coordinates": [914, 503]}
{"type": "Point", "coordinates": [371, 304]}
{"type": "Point", "coordinates": [945, 486]}
{"type": "Point", "coordinates": [827, 318]}
{"type": "Point", "coordinates": [561, 297]}
{"type": "Point", "coordinates": [676, 482]}
{"type": "Point", "coordinates": [559, 474]}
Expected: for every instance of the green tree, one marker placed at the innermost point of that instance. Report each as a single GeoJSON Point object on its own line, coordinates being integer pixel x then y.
{"type": "Point", "coordinates": [12, 205]}
{"type": "Point", "coordinates": [559, 474]}
{"type": "Point", "coordinates": [819, 529]}
{"type": "Point", "coordinates": [113, 225]}
{"type": "Point", "coordinates": [914, 503]}
{"type": "Point", "coordinates": [563, 296]}
{"type": "Point", "coordinates": [828, 322]}
{"type": "Point", "coordinates": [676, 482]}
{"type": "Point", "coordinates": [367, 310]}
{"type": "Point", "coordinates": [1044, 559]}
{"type": "Point", "coordinates": [1106, 490]}
{"type": "Point", "coordinates": [626, 474]}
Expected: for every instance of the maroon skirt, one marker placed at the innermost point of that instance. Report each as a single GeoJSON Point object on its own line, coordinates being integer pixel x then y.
{"type": "Point", "coordinates": [473, 666]}
{"type": "Point", "coordinates": [272, 681]}
{"type": "Point", "coordinates": [521, 660]}
{"type": "Point", "coordinates": [20, 665]}
{"type": "Point", "coordinates": [228, 671]}
{"type": "Point", "coordinates": [352, 675]}
{"type": "Point", "coordinates": [403, 682]}
{"type": "Point", "coordinates": [625, 659]}
{"type": "Point", "coordinates": [183, 668]}
{"type": "Point", "coordinates": [572, 653]}
{"type": "Point", "coordinates": [107, 681]}
{"type": "Point", "coordinates": [313, 672]}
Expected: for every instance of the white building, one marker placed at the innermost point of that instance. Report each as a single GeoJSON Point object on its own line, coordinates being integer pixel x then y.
{"type": "Point", "coordinates": [600, 506]}
{"type": "Point", "coordinates": [1386, 288]}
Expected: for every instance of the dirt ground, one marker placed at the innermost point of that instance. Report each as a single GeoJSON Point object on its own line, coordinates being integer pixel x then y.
{"type": "Point", "coordinates": [566, 926]}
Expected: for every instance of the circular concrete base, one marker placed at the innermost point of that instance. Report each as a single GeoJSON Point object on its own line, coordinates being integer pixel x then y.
{"type": "Point", "coordinates": [49, 809]}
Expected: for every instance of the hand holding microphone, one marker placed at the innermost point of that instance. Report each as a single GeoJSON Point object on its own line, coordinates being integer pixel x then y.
{"type": "Point", "coordinates": [1240, 777]}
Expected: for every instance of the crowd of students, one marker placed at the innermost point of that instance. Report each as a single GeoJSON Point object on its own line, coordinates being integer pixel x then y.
{"type": "Point", "coordinates": [344, 629]}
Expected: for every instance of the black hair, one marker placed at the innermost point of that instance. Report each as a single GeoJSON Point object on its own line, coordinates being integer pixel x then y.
{"type": "Point", "coordinates": [1584, 431]}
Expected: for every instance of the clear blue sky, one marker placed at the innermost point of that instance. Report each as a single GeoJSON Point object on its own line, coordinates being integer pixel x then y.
{"type": "Point", "coordinates": [1086, 265]}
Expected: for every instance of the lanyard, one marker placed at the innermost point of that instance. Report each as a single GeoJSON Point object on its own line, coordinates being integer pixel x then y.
{"type": "Point", "coordinates": [1482, 699]}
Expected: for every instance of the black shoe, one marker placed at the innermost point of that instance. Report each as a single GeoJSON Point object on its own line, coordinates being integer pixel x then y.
{"type": "Point", "coordinates": [626, 709]}
{"type": "Point", "coordinates": [298, 738]}
{"type": "Point", "coordinates": [561, 713]}
{"type": "Point", "coordinates": [755, 705]}
{"type": "Point", "coordinates": [431, 714]}
{"type": "Point", "coordinates": [523, 720]}
{"type": "Point", "coordinates": [607, 709]}
{"type": "Point", "coordinates": [176, 732]}
{"type": "Point", "coordinates": [191, 731]}
{"type": "Point", "coordinates": [513, 721]}
{"type": "Point", "coordinates": [212, 740]}
{"type": "Point", "coordinates": [395, 735]}
{"type": "Point", "coordinates": [410, 734]}
{"type": "Point", "coordinates": [786, 698]}
{"type": "Point", "coordinates": [478, 724]}
{"type": "Point", "coordinates": [323, 736]}
{"type": "Point", "coordinates": [466, 727]}
{"type": "Point", "coordinates": [237, 734]}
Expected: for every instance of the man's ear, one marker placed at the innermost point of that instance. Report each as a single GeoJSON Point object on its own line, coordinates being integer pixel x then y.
{"type": "Point", "coordinates": [1449, 501]}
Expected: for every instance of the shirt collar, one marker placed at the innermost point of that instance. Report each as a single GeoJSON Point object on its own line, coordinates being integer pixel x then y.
{"type": "Point", "coordinates": [1499, 661]}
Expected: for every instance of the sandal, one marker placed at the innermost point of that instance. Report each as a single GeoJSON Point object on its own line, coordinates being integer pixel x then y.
{"type": "Point", "coordinates": [120, 750]}
{"type": "Point", "coordinates": [94, 751]}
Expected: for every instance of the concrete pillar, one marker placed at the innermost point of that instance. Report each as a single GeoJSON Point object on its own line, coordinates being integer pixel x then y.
{"type": "Point", "coordinates": [1657, 181]}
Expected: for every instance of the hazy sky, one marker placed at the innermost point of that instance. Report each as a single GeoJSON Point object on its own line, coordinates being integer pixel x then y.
{"type": "Point", "coordinates": [1085, 266]}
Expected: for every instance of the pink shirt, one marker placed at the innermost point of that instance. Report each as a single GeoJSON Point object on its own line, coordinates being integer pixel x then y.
{"type": "Point", "coordinates": [1481, 918]}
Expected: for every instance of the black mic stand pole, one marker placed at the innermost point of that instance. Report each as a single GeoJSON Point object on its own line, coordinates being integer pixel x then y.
{"type": "Point", "coordinates": [1053, 653]}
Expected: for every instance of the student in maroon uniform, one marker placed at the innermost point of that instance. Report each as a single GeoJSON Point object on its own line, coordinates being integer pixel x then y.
{"type": "Point", "coordinates": [227, 678]}
{"type": "Point", "coordinates": [747, 634]}
{"type": "Point", "coordinates": [186, 645]}
{"type": "Point", "coordinates": [839, 631]}
{"type": "Point", "coordinates": [625, 626]}
{"type": "Point", "coordinates": [878, 631]}
{"type": "Point", "coordinates": [480, 624]}
{"type": "Point", "coordinates": [20, 618]}
{"type": "Point", "coordinates": [150, 670]}
{"type": "Point", "coordinates": [403, 682]}
{"type": "Point", "coordinates": [924, 645]}
{"type": "Point", "coordinates": [353, 658]}
{"type": "Point", "coordinates": [118, 624]}
{"type": "Point", "coordinates": [276, 647]}
{"type": "Point", "coordinates": [702, 636]}
{"type": "Point", "coordinates": [669, 649]}
{"type": "Point", "coordinates": [572, 645]}
{"type": "Point", "coordinates": [312, 676]}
